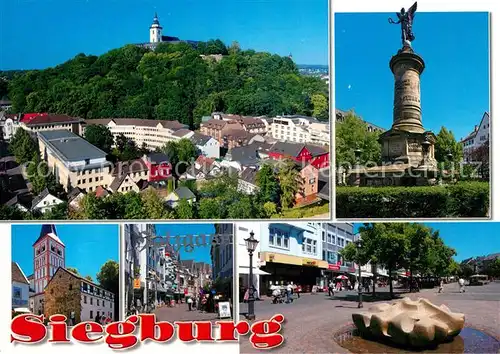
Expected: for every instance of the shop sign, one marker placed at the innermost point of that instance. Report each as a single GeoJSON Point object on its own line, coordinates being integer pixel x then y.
{"type": "Point", "coordinates": [137, 283]}
{"type": "Point", "coordinates": [333, 267]}
{"type": "Point", "coordinates": [309, 262]}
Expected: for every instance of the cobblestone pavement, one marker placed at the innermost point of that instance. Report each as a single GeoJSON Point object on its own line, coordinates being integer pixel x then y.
{"type": "Point", "coordinates": [312, 320]}
{"type": "Point", "coordinates": [181, 313]}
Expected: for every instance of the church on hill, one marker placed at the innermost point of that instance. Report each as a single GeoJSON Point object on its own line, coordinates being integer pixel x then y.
{"type": "Point", "coordinates": [156, 36]}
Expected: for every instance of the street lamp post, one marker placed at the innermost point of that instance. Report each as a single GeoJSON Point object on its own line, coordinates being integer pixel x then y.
{"type": "Point", "coordinates": [251, 244]}
{"type": "Point", "coordinates": [357, 156]}
{"type": "Point", "coordinates": [360, 293]}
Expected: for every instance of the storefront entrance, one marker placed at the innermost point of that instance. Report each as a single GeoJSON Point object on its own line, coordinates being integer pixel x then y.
{"type": "Point", "coordinates": [282, 274]}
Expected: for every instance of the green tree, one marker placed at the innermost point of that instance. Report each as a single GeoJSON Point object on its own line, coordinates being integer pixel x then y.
{"type": "Point", "coordinates": [241, 209]}
{"type": "Point", "coordinates": [121, 142]}
{"type": "Point", "coordinates": [441, 256]}
{"type": "Point", "coordinates": [93, 208]}
{"type": "Point", "coordinates": [446, 144]}
{"type": "Point", "coordinates": [270, 209]}
{"type": "Point", "coordinates": [11, 213]}
{"type": "Point", "coordinates": [493, 268]}
{"type": "Point", "coordinates": [154, 206]}
{"type": "Point", "coordinates": [172, 82]}
{"type": "Point", "coordinates": [185, 210]}
{"type": "Point", "coordinates": [269, 186]}
{"type": "Point", "coordinates": [320, 106]}
{"type": "Point", "coordinates": [352, 134]}
{"type": "Point", "coordinates": [392, 246]}
{"type": "Point", "coordinates": [73, 270]}
{"type": "Point", "coordinates": [100, 136]}
{"type": "Point", "coordinates": [58, 212]}
{"type": "Point", "coordinates": [37, 172]}
{"type": "Point", "coordinates": [181, 154]}
{"type": "Point", "coordinates": [133, 206]}
{"type": "Point", "coordinates": [89, 278]}
{"type": "Point", "coordinates": [290, 183]}
{"type": "Point", "coordinates": [453, 268]}
{"type": "Point", "coordinates": [466, 270]}
{"type": "Point", "coordinates": [109, 278]}
{"type": "Point", "coordinates": [23, 146]}
{"type": "Point", "coordinates": [211, 208]}
{"type": "Point", "coordinates": [419, 241]}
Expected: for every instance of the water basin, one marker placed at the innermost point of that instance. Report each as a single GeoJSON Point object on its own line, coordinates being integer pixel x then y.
{"type": "Point", "coordinates": [470, 340]}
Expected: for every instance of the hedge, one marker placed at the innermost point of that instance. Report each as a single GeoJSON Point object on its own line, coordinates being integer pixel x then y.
{"type": "Point", "coordinates": [464, 199]}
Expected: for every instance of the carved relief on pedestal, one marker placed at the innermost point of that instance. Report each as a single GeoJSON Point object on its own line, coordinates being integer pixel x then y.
{"type": "Point", "coordinates": [395, 149]}
{"type": "Point", "coordinates": [414, 145]}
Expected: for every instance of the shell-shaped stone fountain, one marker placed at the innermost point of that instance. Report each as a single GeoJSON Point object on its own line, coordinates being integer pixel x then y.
{"type": "Point", "coordinates": [410, 323]}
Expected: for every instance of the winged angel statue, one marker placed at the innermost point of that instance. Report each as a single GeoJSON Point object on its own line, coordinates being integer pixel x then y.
{"type": "Point", "coordinates": [405, 18]}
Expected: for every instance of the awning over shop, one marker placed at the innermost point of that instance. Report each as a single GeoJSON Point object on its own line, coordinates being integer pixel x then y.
{"type": "Point", "coordinates": [270, 257]}
{"type": "Point", "coordinates": [363, 274]}
{"type": "Point", "coordinates": [256, 271]}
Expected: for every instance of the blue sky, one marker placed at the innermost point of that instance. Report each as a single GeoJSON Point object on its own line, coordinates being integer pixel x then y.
{"type": "Point", "coordinates": [88, 246]}
{"type": "Point", "coordinates": [199, 254]}
{"type": "Point", "coordinates": [39, 34]}
{"type": "Point", "coordinates": [469, 239]}
{"type": "Point", "coordinates": [454, 84]}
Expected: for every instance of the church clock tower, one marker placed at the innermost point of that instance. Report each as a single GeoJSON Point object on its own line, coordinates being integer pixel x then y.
{"type": "Point", "coordinates": [49, 254]}
{"type": "Point", "coordinates": [155, 31]}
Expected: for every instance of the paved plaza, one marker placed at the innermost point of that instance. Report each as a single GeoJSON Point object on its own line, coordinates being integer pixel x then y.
{"type": "Point", "coordinates": [181, 313]}
{"type": "Point", "coordinates": [312, 320]}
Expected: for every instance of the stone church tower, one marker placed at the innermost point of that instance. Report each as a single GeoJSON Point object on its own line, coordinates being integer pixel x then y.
{"type": "Point", "coordinates": [48, 255]}
{"type": "Point", "coordinates": [155, 31]}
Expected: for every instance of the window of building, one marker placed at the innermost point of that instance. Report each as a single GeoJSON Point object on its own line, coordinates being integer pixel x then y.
{"type": "Point", "coordinates": [97, 302]}
{"type": "Point", "coordinates": [91, 312]}
{"type": "Point", "coordinates": [84, 299]}
{"type": "Point", "coordinates": [91, 301]}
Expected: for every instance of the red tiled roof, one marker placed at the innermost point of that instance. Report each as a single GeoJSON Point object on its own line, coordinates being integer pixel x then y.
{"type": "Point", "coordinates": [27, 117]}
{"type": "Point", "coordinates": [204, 160]}
{"type": "Point", "coordinates": [101, 192]}
{"type": "Point", "coordinates": [44, 118]}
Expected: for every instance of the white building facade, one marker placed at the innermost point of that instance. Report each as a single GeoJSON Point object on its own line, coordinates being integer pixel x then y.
{"type": "Point", "coordinates": [298, 129]}
{"type": "Point", "coordinates": [20, 288]}
{"type": "Point", "coordinates": [479, 136]}
{"type": "Point", "coordinates": [154, 134]}
{"type": "Point", "coordinates": [96, 301]}
{"type": "Point", "coordinates": [286, 252]}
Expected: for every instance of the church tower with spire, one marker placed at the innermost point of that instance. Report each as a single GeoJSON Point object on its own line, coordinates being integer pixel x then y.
{"type": "Point", "coordinates": [48, 255]}
{"type": "Point", "coordinates": [155, 30]}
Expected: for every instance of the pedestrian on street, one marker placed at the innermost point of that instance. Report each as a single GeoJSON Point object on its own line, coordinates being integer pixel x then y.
{"type": "Point", "coordinates": [299, 289]}
{"type": "Point", "coordinates": [72, 320]}
{"type": "Point", "coordinates": [331, 289]}
{"type": "Point", "coordinates": [289, 293]}
{"type": "Point", "coordinates": [440, 286]}
{"type": "Point", "coordinates": [190, 303]}
{"type": "Point", "coordinates": [247, 296]}
{"type": "Point", "coordinates": [461, 283]}
{"type": "Point", "coordinates": [97, 318]}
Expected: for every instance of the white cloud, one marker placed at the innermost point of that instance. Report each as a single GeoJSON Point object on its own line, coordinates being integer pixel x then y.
{"type": "Point", "coordinates": [349, 86]}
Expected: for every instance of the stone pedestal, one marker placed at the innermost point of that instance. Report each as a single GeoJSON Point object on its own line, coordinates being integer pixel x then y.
{"type": "Point", "coordinates": [407, 149]}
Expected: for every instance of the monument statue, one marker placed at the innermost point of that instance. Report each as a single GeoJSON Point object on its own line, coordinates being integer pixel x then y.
{"type": "Point", "coordinates": [405, 18]}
